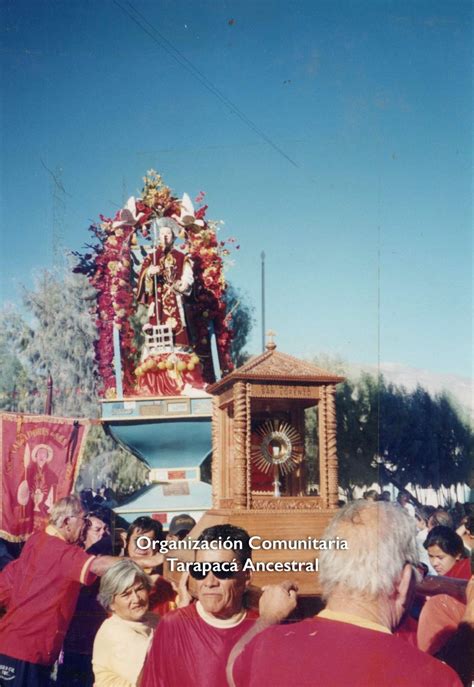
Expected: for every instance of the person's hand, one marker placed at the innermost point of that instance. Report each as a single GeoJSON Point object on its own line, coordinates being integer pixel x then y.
{"type": "Point", "coordinates": [468, 616]}
{"type": "Point", "coordinates": [277, 601]}
{"type": "Point", "coordinates": [150, 560]}
{"type": "Point", "coordinates": [153, 269]}
{"type": "Point", "coordinates": [184, 596]}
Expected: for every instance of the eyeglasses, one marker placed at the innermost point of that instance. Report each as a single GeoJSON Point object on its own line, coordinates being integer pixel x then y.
{"type": "Point", "coordinates": [198, 573]}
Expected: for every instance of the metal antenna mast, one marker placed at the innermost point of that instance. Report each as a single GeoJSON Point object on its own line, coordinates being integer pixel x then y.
{"type": "Point", "coordinates": [262, 256]}
{"type": "Point", "coordinates": [58, 198]}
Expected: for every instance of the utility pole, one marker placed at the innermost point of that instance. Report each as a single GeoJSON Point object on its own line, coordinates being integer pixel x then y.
{"type": "Point", "coordinates": [262, 256]}
{"type": "Point", "coordinates": [59, 214]}
{"type": "Point", "coordinates": [48, 406]}
{"type": "Point", "coordinates": [58, 198]}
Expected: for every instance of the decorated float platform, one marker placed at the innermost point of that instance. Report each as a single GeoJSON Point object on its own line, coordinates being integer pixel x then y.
{"type": "Point", "coordinates": [172, 397]}
{"type": "Point", "coordinates": [164, 335]}
{"type": "Point", "coordinates": [172, 435]}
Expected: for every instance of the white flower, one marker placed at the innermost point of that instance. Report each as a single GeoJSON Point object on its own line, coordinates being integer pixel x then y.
{"type": "Point", "coordinates": [187, 217]}
{"type": "Point", "coordinates": [128, 215]}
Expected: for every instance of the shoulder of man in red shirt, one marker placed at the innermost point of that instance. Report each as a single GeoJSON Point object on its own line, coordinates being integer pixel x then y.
{"type": "Point", "coordinates": [336, 653]}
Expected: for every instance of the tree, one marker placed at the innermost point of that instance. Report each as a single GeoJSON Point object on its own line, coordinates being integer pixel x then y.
{"type": "Point", "coordinates": [417, 438]}
{"type": "Point", "coordinates": [15, 383]}
{"type": "Point", "coordinates": [357, 427]}
{"type": "Point", "coordinates": [242, 314]}
{"type": "Point", "coordinates": [60, 342]}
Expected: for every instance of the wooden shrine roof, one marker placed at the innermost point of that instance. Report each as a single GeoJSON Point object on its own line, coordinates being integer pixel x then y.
{"type": "Point", "coordinates": [273, 366]}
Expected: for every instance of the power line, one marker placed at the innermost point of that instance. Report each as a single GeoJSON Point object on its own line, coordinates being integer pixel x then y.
{"type": "Point", "coordinates": [184, 62]}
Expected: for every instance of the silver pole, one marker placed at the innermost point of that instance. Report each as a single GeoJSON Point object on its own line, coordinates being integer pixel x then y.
{"type": "Point", "coordinates": [155, 280]}
{"type": "Point", "coordinates": [262, 256]}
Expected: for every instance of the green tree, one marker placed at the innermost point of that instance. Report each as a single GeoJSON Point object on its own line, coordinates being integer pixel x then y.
{"type": "Point", "coordinates": [357, 427]}
{"type": "Point", "coordinates": [16, 387]}
{"type": "Point", "coordinates": [385, 431]}
{"type": "Point", "coordinates": [60, 341]}
{"type": "Point", "coordinates": [242, 313]}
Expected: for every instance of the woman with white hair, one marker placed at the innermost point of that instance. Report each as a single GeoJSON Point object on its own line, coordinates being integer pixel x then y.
{"type": "Point", "coordinates": [121, 644]}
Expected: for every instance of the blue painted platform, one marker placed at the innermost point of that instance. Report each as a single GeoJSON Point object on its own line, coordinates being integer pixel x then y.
{"type": "Point", "coordinates": [172, 435]}
{"type": "Point", "coordinates": [163, 501]}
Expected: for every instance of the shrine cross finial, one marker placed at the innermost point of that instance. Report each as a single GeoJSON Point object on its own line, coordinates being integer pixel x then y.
{"type": "Point", "coordinates": [271, 345]}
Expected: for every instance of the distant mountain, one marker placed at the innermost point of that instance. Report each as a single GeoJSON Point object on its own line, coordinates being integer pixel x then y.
{"type": "Point", "coordinates": [460, 388]}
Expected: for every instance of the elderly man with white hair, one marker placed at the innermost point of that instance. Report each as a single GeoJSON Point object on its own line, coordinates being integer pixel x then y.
{"type": "Point", "coordinates": [367, 589]}
{"type": "Point", "coordinates": [40, 591]}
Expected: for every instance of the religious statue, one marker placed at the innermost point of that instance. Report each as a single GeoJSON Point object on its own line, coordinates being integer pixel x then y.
{"type": "Point", "coordinates": [165, 281]}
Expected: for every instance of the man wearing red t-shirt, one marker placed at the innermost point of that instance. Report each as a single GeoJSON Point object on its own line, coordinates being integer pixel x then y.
{"type": "Point", "coordinates": [40, 591]}
{"type": "Point", "coordinates": [191, 645]}
{"type": "Point", "coordinates": [367, 588]}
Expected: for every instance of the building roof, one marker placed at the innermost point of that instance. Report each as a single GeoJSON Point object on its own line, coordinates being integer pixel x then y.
{"type": "Point", "coordinates": [273, 366]}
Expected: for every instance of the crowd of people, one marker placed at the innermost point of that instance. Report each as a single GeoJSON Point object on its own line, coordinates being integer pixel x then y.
{"type": "Point", "coordinates": [77, 615]}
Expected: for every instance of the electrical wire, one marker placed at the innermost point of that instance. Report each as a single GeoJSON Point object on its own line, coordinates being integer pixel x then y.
{"type": "Point", "coordinates": [186, 64]}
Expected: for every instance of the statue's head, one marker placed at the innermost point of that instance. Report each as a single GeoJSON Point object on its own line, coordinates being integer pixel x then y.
{"type": "Point", "coordinates": [166, 230]}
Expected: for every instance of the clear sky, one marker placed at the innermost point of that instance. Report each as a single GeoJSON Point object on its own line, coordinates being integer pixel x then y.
{"type": "Point", "coordinates": [367, 227]}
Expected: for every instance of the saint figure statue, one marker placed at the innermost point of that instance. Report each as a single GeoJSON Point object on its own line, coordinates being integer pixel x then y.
{"type": "Point", "coordinates": [165, 281]}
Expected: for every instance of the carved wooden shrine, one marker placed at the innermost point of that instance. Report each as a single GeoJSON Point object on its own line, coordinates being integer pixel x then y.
{"type": "Point", "coordinates": [262, 479]}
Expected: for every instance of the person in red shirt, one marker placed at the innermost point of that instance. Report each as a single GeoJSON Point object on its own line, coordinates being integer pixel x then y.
{"type": "Point", "coordinates": [191, 645]}
{"type": "Point", "coordinates": [447, 553]}
{"type": "Point", "coordinates": [367, 588]}
{"type": "Point", "coordinates": [442, 614]}
{"type": "Point", "coordinates": [40, 591]}
{"type": "Point", "coordinates": [75, 664]}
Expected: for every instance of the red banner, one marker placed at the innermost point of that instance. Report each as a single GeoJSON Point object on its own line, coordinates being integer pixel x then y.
{"type": "Point", "coordinates": [39, 461]}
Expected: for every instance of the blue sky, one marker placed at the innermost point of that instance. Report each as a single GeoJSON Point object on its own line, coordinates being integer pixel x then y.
{"type": "Point", "coordinates": [367, 231]}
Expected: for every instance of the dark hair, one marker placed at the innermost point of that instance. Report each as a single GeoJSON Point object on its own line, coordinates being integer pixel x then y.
{"type": "Point", "coordinates": [403, 494]}
{"type": "Point", "coordinates": [145, 524]}
{"type": "Point", "coordinates": [469, 524]}
{"type": "Point", "coordinates": [422, 514]}
{"type": "Point", "coordinates": [87, 498]}
{"type": "Point", "coordinates": [101, 513]}
{"type": "Point", "coordinates": [237, 535]}
{"type": "Point", "coordinates": [447, 540]}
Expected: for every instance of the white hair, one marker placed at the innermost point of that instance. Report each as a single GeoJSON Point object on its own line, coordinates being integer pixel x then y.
{"type": "Point", "coordinates": [169, 223]}
{"type": "Point", "coordinates": [118, 578]}
{"type": "Point", "coordinates": [380, 541]}
{"type": "Point", "coordinates": [68, 507]}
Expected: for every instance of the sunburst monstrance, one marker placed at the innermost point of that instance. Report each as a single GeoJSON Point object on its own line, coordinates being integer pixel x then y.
{"type": "Point", "coordinates": [262, 479]}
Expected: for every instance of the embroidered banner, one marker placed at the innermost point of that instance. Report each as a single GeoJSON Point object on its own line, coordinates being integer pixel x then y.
{"type": "Point", "coordinates": [40, 456]}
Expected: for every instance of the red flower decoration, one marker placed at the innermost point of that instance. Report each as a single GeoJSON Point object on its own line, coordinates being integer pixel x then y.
{"type": "Point", "coordinates": [108, 263]}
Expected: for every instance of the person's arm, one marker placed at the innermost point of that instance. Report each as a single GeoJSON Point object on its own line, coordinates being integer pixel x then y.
{"type": "Point", "coordinates": [277, 602]}
{"type": "Point", "coordinates": [7, 576]}
{"type": "Point", "coordinates": [458, 652]}
{"type": "Point", "coordinates": [438, 584]}
{"type": "Point", "coordinates": [107, 678]}
{"type": "Point", "coordinates": [101, 564]}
